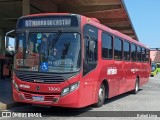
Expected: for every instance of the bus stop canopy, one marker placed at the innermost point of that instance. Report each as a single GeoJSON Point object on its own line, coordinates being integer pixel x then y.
{"type": "Point", "coordinates": [111, 13]}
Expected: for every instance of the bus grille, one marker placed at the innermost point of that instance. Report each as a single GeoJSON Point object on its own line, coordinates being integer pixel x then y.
{"type": "Point", "coordinates": [27, 96]}
{"type": "Point", "coordinates": [46, 98]}
{"type": "Point", "coordinates": [40, 78]}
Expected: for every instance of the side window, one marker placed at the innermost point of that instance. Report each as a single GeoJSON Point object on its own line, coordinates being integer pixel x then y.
{"type": "Point", "coordinates": [143, 55]}
{"type": "Point", "coordinates": [107, 43]}
{"type": "Point", "coordinates": [133, 52]}
{"type": "Point", "coordinates": [90, 48]}
{"type": "Point", "coordinates": [147, 55]}
{"type": "Point", "coordinates": [126, 49]}
{"type": "Point", "coordinates": [139, 52]}
{"type": "Point", "coordinates": [117, 49]}
{"type": "Point", "coordinates": [90, 51]}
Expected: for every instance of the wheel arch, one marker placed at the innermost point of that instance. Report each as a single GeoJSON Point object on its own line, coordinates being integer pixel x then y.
{"type": "Point", "coordinates": [105, 82]}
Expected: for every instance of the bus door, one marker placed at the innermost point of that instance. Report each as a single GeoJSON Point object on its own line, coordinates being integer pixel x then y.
{"type": "Point", "coordinates": [90, 75]}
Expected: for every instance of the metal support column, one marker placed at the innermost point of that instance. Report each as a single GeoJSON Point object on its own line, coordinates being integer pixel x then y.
{"type": "Point", "coordinates": [2, 51]}
{"type": "Point", "coordinates": [26, 7]}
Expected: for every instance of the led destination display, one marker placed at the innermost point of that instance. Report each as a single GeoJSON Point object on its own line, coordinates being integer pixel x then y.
{"type": "Point", "coordinates": [51, 21]}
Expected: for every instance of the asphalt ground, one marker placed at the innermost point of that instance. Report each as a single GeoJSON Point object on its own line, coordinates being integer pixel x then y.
{"type": "Point", "coordinates": [145, 105]}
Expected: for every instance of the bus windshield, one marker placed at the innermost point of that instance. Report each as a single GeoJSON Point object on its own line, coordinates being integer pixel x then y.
{"type": "Point", "coordinates": [48, 52]}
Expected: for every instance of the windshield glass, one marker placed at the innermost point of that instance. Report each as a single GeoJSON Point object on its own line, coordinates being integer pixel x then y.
{"type": "Point", "coordinates": [48, 52]}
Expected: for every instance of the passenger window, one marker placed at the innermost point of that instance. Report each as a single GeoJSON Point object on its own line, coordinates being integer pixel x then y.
{"type": "Point", "coordinates": [117, 49]}
{"type": "Point", "coordinates": [147, 55]}
{"type": "Point", "coordinates": [133, 52]}
{"type": "Point", "coordinates": [143, 55]}
{"type": "Point", "coordinates": [139, 52]}
{"type": "Point", "coordinates": [126, 49]}
{"type": "Point", "coordinates": [107, 43]}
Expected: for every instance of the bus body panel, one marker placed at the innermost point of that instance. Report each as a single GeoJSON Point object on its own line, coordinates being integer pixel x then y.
{"type": "Point", "coordinates": [28, 89]}
{"type": "Point", "coordinates": [71, 100]}
{"type": "Point", "coordinates": [127, 71]}
{"type": "Point", "coordinates": [122, 80]}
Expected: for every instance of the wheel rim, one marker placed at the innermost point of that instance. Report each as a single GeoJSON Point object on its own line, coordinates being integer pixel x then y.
{"type": "Point", "coordinates": [136, 86]}
{"type": "Point", "coordinates": [101, 94]}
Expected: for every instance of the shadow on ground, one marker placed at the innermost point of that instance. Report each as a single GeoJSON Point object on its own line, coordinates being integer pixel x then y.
{"type": "Point", "coordinates": [5, 91]}
{"type": "Point", "coordinates": [66, 112]}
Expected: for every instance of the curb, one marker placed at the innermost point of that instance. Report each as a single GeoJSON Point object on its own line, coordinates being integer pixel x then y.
{"type": "Point", "coordinates": [4, 106]}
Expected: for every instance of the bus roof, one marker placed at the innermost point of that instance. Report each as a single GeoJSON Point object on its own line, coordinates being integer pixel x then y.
{"type": "Point", "coordinates": [46, 14]}
{"type": "Point", "coordinates": [114, 32]}
{"type": "Point", "coordinates": [94, 22]}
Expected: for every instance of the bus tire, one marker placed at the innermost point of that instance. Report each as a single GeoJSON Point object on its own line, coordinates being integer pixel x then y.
{"type": "Point", "coordinates": [136, 88]}
{"type": "Point", "coordinates": [101, 96]}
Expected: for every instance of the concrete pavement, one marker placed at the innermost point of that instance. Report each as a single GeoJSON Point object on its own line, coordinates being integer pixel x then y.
{"type": "Point", "coordinates": [147, 100]}
{"type": "Point", "coordinates": [6, 100]}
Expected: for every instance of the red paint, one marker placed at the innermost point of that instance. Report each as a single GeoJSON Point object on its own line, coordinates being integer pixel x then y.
{"type": "Point", "coordinates": [87, 92]}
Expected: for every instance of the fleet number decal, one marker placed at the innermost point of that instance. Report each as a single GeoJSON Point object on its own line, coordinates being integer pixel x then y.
{"type": "Point", "coordinates": [53, 88]}
{"type": "Point", "coordinates": [134, 70]}
{"type": "Point", "coordinates": [111, 71]}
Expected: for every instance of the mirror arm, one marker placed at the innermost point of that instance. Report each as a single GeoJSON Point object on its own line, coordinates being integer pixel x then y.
{"type": "Point", "coordinates": [9, 32]}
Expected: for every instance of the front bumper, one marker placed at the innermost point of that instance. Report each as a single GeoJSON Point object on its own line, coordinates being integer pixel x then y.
{"type": "Point", "coordinates": [26, 92]}
{"type": "Point", "coordinates": [69, 100]}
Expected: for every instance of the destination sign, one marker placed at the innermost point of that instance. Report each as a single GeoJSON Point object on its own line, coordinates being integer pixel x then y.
{"type": "Point", "coordinates": [37, 23]}
{"type": "Point", "coordinates": [49, 21]}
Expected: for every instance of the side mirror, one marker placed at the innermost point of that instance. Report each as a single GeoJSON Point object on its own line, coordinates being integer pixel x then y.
{"type": "Point", "coordinates": [9, 34]}
{"type": "Point", "coordinates": [7, 42]}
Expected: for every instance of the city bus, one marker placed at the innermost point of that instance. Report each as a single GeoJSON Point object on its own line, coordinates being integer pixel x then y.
{"type": "Point", "coordinates": [154, 69]}
{"type": "Point", "coordinates": [70, 60]}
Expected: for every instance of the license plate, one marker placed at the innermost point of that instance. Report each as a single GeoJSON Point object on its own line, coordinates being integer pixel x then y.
{"type": "Point", "coordinates": [38, 98]}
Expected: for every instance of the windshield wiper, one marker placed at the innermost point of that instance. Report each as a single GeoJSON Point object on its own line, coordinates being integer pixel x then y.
{"type": "Point", "coordinates": [55, 39]}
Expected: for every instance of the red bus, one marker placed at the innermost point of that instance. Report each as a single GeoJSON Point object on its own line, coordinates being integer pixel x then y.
{"type": "Point", "coordinates": [70, 60]}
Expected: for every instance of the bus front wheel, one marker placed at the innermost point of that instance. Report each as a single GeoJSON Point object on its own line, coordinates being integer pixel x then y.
{"type": "Point", "coordinates": [101, 96]}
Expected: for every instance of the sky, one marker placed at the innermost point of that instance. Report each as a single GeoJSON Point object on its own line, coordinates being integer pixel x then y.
{"type": "Point", "coordinates": [145, 17]}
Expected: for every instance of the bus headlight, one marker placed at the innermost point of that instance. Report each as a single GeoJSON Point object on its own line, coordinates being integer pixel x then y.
{"type": "Point", "coordinates": [65, 91]}
{"type": "Point", "coordinates": [15, 85]}
{"type": "Point", "coordinates": [74, 86]}
{"type": "Point", "coordinates": [70, 88]}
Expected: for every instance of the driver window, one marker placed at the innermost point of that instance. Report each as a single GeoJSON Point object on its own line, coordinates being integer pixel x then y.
{"type": "Point", "coordinates": [90, 48]}
{"type": "Point", "coordinates": [91, 51]}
